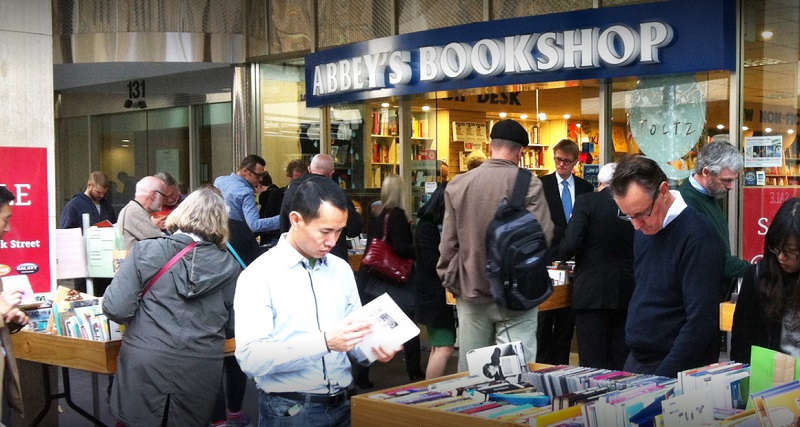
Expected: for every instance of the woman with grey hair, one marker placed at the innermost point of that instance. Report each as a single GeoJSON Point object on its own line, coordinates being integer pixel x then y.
{"type": "Point", "coordinates": [175, 296]}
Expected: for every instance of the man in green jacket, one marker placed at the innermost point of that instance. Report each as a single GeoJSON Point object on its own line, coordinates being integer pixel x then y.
{"type": "Point", "coordinates": [718, 166]}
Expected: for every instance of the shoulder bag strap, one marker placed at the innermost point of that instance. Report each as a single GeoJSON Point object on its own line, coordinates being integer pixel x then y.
{"type": "Point", "coordinates": [167, 266]}
{"type": "Point", "coordinates": [521, 185]}
{"type": "Point", "coordinates": [235, 254]}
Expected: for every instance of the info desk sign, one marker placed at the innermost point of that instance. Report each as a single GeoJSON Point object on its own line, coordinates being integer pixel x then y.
{"type": "Point", "coordinates": [668, 37]}
{"type": "Point", "coordinates": [25, 249]}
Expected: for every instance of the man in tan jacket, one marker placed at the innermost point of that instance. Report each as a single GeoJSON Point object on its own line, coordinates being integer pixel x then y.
{"type": "Point", "coordinates": [11, 320]}
{"type": "Point", "coordinates": [471, 200]}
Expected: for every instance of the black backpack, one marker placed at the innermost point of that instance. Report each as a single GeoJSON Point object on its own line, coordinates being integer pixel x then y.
{"type": "Point", "coordinates": [516, 265]}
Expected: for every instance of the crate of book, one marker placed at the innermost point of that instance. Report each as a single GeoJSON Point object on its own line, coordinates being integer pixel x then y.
{"type": "Point", "coordinates": [560, 396]}
{"type": "Point", "coordinates": [93, 356]}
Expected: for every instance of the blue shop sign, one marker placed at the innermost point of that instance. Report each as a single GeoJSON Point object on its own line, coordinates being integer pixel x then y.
{"type": "Point", "coordinates": [679, 36]}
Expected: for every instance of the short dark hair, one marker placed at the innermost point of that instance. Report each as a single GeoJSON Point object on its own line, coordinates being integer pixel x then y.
{"type": "Point", "coordinates": [251, 161]}
{"type": "Point", "coordinates": [6, 196]}
{"type": "Point", "coordinates": [638, 169]}
{"type": "Point", "coordinates": [296, 165]}
{"type": "Point", "coordinates": [309, 195]}
{"type": "Point", "coordinates": [567, 146]}
{"type": "Point", "coordinates": [266, 180]}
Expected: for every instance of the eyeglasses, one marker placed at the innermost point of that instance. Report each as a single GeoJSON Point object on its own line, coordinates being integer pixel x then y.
{"type": "Point", "coordinates": [788, 253]}
{"type": "Point", "coordinates": [162, 194]}
{"type": "Point", "coordinates": [564, 161]}
{"type": "Point", "coordinates": [260, 175]}
{"type": "Point", "coordinates": [641, 215]}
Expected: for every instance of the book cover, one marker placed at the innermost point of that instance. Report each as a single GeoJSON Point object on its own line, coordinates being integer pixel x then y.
{"type": "Point", "coordinates": [497, 361]}
{"type": "Point", "coordinates": [390, 327]}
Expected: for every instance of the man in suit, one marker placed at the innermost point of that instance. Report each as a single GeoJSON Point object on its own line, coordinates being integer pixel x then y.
{"type": "Point", "coordinates": [560, 189]}
{"type": "Point", "coordinates": [602, 244]}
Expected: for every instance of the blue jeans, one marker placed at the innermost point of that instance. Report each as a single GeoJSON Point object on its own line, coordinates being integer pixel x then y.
{"type": "Point", "coordinates": [279, 411]}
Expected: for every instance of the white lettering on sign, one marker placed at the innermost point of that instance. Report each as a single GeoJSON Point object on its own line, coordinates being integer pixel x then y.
{"type": "Point", "coordinates": [581, 48]}
{"type": "Point", "coordinates": [22, 193]}
{"type": "Point", "coordinates": [763, 226]}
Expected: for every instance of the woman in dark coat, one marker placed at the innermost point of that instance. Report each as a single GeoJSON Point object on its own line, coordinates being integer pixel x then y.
{"type": "Point", "coordinates": [170, 364]}
{"type": "Point", "coordinates": [391, 215]}
{"type": "Point", "coordinates": [768, 307]}
{"type": "Point", "coordinates": [431, 308]}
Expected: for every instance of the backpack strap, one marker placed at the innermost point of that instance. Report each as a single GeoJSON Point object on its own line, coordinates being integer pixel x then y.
{"type": "Point", "coordinates": [521, 185]}
{"type": "Point", "coordinates": [166, 267]}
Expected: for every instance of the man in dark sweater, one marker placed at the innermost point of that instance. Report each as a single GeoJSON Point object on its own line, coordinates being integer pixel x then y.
{"type": "Point", "coordinates": [718, 166]}
{"type": "Point", "coordinates": [91, 201]}
{"type": "Point", "coordinates": [673, 316]}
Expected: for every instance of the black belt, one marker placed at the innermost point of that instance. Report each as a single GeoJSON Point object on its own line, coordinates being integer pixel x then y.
{"type": "Point", "coordinates": [324, 399]}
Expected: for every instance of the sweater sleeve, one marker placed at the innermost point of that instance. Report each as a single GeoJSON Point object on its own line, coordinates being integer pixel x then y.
{"type": "Point", "coordinates": [400, 236]}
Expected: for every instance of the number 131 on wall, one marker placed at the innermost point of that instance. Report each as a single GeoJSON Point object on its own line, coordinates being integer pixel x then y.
{"type": "Point", "coordinates": [136, 89]}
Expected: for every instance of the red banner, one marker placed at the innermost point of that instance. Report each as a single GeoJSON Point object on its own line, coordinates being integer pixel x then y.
{"type": "Point", "coordinates": [25, 249]}
{"type": "Point", "coordinates": [760, 205]}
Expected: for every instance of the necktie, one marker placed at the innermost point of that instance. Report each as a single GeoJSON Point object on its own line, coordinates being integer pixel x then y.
{"type": "Point", "coordinates": [566, 200]}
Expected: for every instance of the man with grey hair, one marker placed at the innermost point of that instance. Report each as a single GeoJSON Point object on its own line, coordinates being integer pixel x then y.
{"type": "Point", "coordinates": [718, 166]}
{"type": "Point", "coordinates": [322, 165]}
{"type": "Point", "coordinates": [471, 201]}
{"type": "Point", "coordinates": [135, 222]}
{"type": "Point", "coordinates": [602, 244]}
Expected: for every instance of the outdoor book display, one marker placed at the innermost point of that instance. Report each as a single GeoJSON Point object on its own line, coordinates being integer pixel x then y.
{"type": "Point", "coordinates": [499, 390]}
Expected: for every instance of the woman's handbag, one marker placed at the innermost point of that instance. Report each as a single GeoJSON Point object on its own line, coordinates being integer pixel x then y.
{"type": "Point", "coordinates": [381, 260]}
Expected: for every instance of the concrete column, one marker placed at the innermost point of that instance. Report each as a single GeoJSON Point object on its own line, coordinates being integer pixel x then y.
{"type": "Point", "coordinates": [26, 120]}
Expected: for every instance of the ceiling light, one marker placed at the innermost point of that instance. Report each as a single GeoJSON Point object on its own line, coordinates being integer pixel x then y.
{"type": "Point", "coordinates": [577, 125]}
{"type": "Point", "coordinates": [766, 34]}
{"type": "Point", "coordinates": [125, 141]}
{"type": "Point", "coordinates": [426, 108]}
{"type": "Point", "coordinates": [567, 116]}
{"type": "Point", "coordinates": [125, 145]}
{"type": "Point", "coordinates": [384, 104]}
{"type": "Point", "coordinates": [541, 116]}
{"type": "Point", "coordinates": [720, 126]}
{"type": "Point", "coordinates": [745, 128]}
{"type": "Point", "coordinates": [767, 130]}
{"type": "Point", "coordinates": [503, 115]}
{"type": "Point", "coordinates": [790, 131]}
{"type": "Point", "coordinates": [523, 116]}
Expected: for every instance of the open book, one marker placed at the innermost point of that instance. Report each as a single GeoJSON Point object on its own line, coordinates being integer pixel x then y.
{"type": "Point", "coordinates": [390, 327]}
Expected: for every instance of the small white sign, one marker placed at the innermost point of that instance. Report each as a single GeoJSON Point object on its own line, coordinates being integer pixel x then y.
{"type": "Point", "coordinates": [430, 187]}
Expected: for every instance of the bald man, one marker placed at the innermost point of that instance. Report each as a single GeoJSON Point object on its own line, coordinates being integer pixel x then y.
{"type": "Point", "coordinates": [135, 222]}
{"type": "Point", "coordinates": [322, 166]}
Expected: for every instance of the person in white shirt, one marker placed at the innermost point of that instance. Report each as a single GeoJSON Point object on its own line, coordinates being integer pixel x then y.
{"type": "Point", "coordinates": [293, 308]}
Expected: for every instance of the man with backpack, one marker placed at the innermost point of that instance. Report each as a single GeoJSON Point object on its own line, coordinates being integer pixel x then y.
{"type": "Point", "coordinates": [471, 202]}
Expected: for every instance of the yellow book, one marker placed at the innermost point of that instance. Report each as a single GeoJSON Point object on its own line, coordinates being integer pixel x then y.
{"type": "Point", "coordinates": [554, 417]}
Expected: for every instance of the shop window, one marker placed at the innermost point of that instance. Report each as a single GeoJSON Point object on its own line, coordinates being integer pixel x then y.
{"type": "Point", "coordinates": [669, 118]}
{"type": "Point", "coordinates": [289, 129]}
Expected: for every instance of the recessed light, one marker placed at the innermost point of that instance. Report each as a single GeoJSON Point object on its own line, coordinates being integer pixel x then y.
{"type": "Point", "coordinates": [503, 115]}
{"type": "Point", "coordinates": [523, 116]}
{"type": "Point", "coordinates": [541, 116]}
{"type": "Point", "coordinates": [567, 116]}
{"type": "Point", "coordinates": [125, 145]}
{"type": "Point", "coordinates": [767, 34]}
{"type": "Point", "coordinates": [126, 140]}
{"type": "Point", "coordinates": [745, 128]}
{"type": "Point", "coordinates": [720, 127]}
{"type": "Point", "coordinates": [577, 125]}
{"type": "Point", "coordinates": [790, 131]}
{"type": "Point", "coordinates": [426, 108]}
{"type": "Point", "coordinates": [384, 104]}
{"type": "Point", "coordinates": [767, 130]}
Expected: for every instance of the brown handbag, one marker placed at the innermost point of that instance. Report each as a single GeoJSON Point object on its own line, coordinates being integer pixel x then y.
{"type": "Point", "coordinates": [381, 261]}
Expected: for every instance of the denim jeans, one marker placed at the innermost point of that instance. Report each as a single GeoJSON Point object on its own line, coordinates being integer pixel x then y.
{"type": "Point", "coordinates": [279, 411]}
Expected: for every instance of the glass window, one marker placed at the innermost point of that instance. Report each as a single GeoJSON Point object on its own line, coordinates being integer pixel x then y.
{"type": "Point", "coordinates": [669, 118]}
{"type": "Point", "coordinates": [73, 161]}
{"type": "Point", "coordinates": [216, 152]}
{"type": "Point", "coordinates": [289, 129]}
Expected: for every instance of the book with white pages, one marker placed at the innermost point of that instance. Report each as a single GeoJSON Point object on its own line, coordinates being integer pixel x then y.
{"type": "Point", "coordinates": [390, 327]}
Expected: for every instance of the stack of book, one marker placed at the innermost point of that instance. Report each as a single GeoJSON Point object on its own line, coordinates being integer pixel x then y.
{"type": "Point", "coordinates": [79, 315]}
{"type": "Point", "coordinates": [728, 383]}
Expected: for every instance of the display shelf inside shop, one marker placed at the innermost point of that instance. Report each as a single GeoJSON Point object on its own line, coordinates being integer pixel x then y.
{"type": "Point", "coordinates": [366, 411]}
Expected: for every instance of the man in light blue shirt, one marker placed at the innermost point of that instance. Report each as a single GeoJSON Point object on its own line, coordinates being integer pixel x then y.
{"type": "Point", "coordinates": [238, 190]}
{"type": "Point", "coordinates": [294, 316]}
